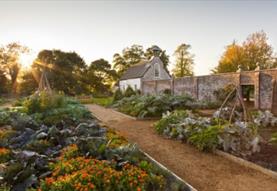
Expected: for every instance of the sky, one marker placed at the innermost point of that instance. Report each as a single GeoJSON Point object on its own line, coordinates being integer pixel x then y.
{"type": "Point", "coordinates": [98, 29]}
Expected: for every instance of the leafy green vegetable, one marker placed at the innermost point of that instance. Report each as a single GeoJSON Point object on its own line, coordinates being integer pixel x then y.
{"type": "Point", "coordinates": [205, 140]}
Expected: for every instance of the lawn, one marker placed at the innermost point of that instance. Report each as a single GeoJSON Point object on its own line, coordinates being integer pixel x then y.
{"type": "Point", "coordinates": [104, 101]}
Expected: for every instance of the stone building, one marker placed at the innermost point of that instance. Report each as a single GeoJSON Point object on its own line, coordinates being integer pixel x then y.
{"type": "Point", "coordinates": [147, 70]}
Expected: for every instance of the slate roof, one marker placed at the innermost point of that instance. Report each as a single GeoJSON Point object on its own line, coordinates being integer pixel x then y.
{"type": "Point", "coordinates": [136, 71]}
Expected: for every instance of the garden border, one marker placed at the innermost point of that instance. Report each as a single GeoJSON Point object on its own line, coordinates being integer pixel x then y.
{"type": "Point", "coordinates": [135, 118]}
{"type": "Point", "coordinates": [166, 169]}
{"type": "Point", "coordinates": [128, 116]}
{"type": "Point", "coordinates": [246, 163]}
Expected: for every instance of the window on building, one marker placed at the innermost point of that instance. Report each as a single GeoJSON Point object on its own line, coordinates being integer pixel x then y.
{"type": "Point", "coordinates": [157, 70]}
{"type": "Point", "coordinates": [136, 87]}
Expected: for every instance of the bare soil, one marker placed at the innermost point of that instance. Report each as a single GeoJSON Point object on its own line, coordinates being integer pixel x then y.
{"type": "Point", "coordinates": [204, 171]}
{"type": "Point", "coordinates": [268, 155]}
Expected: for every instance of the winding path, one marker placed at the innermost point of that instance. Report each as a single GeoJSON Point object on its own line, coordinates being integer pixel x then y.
{"type": "Point", "coordinates": [204, 171]}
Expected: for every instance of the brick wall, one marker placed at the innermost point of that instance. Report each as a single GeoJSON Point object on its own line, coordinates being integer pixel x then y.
{"type": "Point", "coordinates": [203, 87]}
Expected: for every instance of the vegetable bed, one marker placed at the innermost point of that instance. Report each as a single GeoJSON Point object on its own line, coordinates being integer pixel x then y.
{"type": "Point", "coordinates": [52, 143]}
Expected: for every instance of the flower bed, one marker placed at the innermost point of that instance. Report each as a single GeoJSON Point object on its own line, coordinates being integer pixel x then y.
{"type": "Point", "coordinates": [63, 147]}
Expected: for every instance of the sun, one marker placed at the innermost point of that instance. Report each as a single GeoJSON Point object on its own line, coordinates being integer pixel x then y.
{"type": "Point", "coordinates": [26, 60]}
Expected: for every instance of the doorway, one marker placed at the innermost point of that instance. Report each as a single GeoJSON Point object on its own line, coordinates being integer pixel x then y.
{"type": "Point", "coordinates": [248, 94]}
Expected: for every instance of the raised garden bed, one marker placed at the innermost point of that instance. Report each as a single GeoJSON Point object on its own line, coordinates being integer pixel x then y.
{"type": "Point", "coordinates": [237, 138]}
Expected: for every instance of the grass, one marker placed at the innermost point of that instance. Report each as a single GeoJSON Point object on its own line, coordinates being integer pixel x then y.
{"type": "Point", "coordinates": [103, 101]}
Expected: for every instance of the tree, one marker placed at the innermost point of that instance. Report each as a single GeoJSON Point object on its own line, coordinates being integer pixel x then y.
{"type": "Point", "coordinates": [3, 82]}
{"type": "Point", "coordinates": [133, 55]}
{"type": "Point", "coordinates": [130, 56]}
{"type": "Point", "coordinates": [119, 64]}
{"type": "Point", "coordinates": [100, 76]}
{"type": "Point", "coordinates": [163, 56]}
{"type": "Point", "coordinates": [64, 70]}
{"type": "Point", "coordinates": [28, 83]}
{"type": "Point", "coordinates": [253, 52]}
{"type": "Point", "coordinates": [233, 58]}
{"type": "Point", "coordinates": [184, 61]}
{"type": "Point", "coordinates": [10, 61]}
{"type": "Point", "coordinates": [258, 52]}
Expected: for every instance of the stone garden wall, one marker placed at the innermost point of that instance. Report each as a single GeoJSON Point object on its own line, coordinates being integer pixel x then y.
{"type": "Point", "coordinates": [203, 87]}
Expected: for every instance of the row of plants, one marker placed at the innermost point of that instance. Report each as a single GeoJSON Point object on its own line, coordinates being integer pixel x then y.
{"type": "Point", "coordinates": [143, 106]}
{"type": "Point", "coordinates": [207, 134]}
{"type": "Point", "coordinates": [52, 143]}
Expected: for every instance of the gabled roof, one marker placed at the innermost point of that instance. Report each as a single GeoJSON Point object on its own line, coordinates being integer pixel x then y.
{"type": "Point", "coordinates": [136, 71]}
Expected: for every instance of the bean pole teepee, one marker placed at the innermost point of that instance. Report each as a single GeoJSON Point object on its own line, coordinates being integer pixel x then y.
{"type": "Point", "coordinates": [238, 100]}
{"type": "Point", "coordinates": [44, 84]}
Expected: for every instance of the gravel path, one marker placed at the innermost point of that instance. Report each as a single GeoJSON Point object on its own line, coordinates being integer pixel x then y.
{"type": "Point", "coordinates": [204, 171]}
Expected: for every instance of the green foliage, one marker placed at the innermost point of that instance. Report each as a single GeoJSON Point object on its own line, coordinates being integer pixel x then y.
{"type": "Point", "coordinates": [10, 65]}
{"type": "Point", "coordinates": [43, 102]}
{"type": "Point", "coordinates": [173, 118]}
{"type": "Point", "coordinates": [100, 77]}
{"type": "Point", "coordinates": [104, 101]}
{"type": "Point", "coordinates": [12, 171]}
{"type": "Point", "coordinates": [240, 138]}
{"type": "Point", "coordinates": [5, 135]}
{"type": "Point", "coordinates": [118, 95]}
{"type": "Point", "coordinates": [65, 71]}
{"type": "Point", "coordinates": [1, 101]}
{"type": "Point", "coordinates": [39, 146]}
{"type": "Point", "coordinates": [129, 92]}
{"type": "Point", "coordinates": [205, 140]}
{"type": "Point", "coordinates": [133, 55]}
{"type": "Point", "coordinates": [142, 106]}
{"type": "Point", "coordinates": [28, 84]}
{"type": "Point", "coordinates": [51, 109]}
{"type": "Point", "coordinates": [4, 187]}
{"type": "Point", "coordinates": [274, 138]}
{"type": "Point", "coordinates": [4, 117]}
{"type": "Point", "coordinates": [129, 57]}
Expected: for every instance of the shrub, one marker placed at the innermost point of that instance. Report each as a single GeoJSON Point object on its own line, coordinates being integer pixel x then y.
{"type": "Point", "coordinates": [129, 92]}
{"type": "Point", "coordinates": [118, 95]}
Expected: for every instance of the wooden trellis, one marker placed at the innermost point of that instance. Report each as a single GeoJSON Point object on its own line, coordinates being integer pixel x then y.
{"type": "Point", "coordinates": [44, 84]}
{"type": "Point", "coordinates": [238, 100]}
